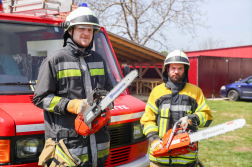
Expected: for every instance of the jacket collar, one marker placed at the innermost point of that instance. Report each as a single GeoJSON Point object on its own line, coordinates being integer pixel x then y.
{"type": "Point", "coordinates": [175, 87]}
{"type": "Point", "coordinates": [76, 51]}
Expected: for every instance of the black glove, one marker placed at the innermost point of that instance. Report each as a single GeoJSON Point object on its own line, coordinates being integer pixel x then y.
{"type": "Point", "coordinates": [193, 122]}
{"type": "Point", "coordinates": [96, 93]}
{"type": "Point", "coordinates": [152, 136]}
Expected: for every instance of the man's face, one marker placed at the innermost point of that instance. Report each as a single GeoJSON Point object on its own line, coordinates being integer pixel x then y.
{"type": "Point", "coordinates": [82, 35]}
{"type": "Point", "coordinates": [176, 72]}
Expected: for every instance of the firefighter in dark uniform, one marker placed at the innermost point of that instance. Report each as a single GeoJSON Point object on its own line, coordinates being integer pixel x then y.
{"type": "Point", "coordinates": [65, 80]}
{"type": "Point", "coordinates": [172, 101]}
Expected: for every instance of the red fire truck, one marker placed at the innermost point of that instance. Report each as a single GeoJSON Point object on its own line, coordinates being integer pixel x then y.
{"type": "Point", "coordinates": [25, 41]}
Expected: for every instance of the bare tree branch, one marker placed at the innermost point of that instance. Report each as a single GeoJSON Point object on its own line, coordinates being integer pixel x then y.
{"type": "Point", "coordinates": [161, 44]}
{"type": "Point", "coordinates": [211, 43]}
{"type": "Point", "coordinates": [144, 10]}
{"type": "Point", "coordinates": [126, 22]}
{"type": "Point", "coordinates": [144, 21]}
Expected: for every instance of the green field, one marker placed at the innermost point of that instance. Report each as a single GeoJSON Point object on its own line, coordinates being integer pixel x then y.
{"type": "Point", "coordinates": [233, 149]}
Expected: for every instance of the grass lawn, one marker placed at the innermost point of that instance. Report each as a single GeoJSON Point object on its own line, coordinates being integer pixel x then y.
{"type": "Point", "coordinates": [233, 149]}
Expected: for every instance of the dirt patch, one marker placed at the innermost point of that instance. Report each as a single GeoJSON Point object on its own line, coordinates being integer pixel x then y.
{"type": "Point", "coordinates": [213, 111]}
{"type": "Point", "coordinates": [227, 138]}
{"type": "Point", "coordinates": [248, 125]}
{"type": "Point", "coordinates": [243, 149]}
{"type": "Point", "coordinates": [232, 115]}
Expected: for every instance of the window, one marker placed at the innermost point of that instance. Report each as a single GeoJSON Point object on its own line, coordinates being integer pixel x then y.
{"type": "Point", "coordinates": [250, 80]}
{"type": "Point", "coordinates": [23, 47]}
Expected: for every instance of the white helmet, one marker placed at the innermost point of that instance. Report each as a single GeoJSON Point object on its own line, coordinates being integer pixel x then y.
{"type": "Point", "coordinates": [82, 15]}
{"type": "Point", "coordinates": [177, 56]}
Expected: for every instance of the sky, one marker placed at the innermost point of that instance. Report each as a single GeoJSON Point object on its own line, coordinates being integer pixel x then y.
{"type": "Point", "coordinates": [229, 21]}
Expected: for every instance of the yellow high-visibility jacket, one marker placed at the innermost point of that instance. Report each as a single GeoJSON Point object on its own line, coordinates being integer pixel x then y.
{"type": "Point", "coordinates": [161, 112]}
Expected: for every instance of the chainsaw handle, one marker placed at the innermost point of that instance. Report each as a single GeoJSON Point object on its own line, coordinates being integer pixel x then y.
{"type": "Point", "coordinates": [172, 133]}
{"type": "Point", "coordinates": [174, 128]}
{"type": "Point", "coordinates": [96, 96]}
{"type": "Point", "coordinates": [186, 125]}
{"type": "Point", "coordinates": [91, 113]}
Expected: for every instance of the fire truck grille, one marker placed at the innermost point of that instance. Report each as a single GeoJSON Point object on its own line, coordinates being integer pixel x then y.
{"type": "Point", "coordinates": [31, 98]}
{"type": "Point", "coordinates": [118, 156]}
{"type": "Point", "coordinates": [121, 135]}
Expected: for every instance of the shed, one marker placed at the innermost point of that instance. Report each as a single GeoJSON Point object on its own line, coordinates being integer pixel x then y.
{"type": "Point", "coordinates": [136, 55]}
{"type": "Point", "coordinates": [235, 52]}
{"type": "Point", "coordinates": [148, 62]}
{"type": "Point", "coordinates": [211, 69]}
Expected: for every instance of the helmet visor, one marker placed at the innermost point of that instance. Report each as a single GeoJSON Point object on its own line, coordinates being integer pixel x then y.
{"type": "Point", "coordinates": [86, 26]}
{"type": "Point", "coordinates": [177, 59]}
{"type": "Point", "coordinates": [90, 19]}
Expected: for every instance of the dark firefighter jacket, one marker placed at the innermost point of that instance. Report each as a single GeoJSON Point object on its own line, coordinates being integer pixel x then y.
{"type": "Point", "coordinates": [62, 78]}
{"type": "Point", "coordinates": [167, 103]}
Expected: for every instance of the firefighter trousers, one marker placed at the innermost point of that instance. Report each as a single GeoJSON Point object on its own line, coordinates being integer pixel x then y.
{"type": "Point", "coordinates": [152, 164]}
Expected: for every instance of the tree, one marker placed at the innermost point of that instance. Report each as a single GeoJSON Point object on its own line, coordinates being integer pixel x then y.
{"type": "Point", "coordinates": [148, 22]}
{"type": "Point", "coordinates": [211, 43]}
{"type": "Point", "coordinates": [165, 52]}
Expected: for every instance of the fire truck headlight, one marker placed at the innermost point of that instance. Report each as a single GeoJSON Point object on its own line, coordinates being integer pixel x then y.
{"type": "Point", "coordinates": [138, 131]}
{"type": "Point", "coordinates": [31, 147]}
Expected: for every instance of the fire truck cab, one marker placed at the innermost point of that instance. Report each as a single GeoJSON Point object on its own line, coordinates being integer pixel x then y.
{"type": "Point", "coordinates": [25, 41]}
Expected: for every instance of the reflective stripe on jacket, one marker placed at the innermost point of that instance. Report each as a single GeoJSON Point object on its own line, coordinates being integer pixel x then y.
{"type": "Point", "coordinates": [161, 114]}
{"type": "Point", "coordinates": [62, 78]}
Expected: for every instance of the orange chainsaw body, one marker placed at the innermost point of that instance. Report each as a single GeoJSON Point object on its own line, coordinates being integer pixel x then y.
{"type": "Point", "coordinates": [179, 145]}
{"type": "Point", "coordinates": [83, 129]}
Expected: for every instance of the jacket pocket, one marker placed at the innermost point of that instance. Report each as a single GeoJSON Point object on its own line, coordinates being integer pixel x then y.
{"type": "Point", "coordinates": [100, 81]}
{"type": "Point", "coordinates": [163, 121]}
{"type": "Point", "coordinates": [163, 102]}
{"type": "Point", "coordinates": [63, 126]}
{"type": "Point", "coordinates": [75, 88]}
{"type": "Point", "coordinates": [62, 86]}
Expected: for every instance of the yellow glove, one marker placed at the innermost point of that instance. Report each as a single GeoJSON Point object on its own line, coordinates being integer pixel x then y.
{"type": "Point", "coordinates": [156, 144]}
{"type": "Point", "coordinates": [77, 106]}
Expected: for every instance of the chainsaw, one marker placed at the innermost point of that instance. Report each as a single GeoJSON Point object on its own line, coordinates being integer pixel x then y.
{"type": "Point", "coordinates": [179, 140]}
{"type": "Point", "coordinates": [97, 113]}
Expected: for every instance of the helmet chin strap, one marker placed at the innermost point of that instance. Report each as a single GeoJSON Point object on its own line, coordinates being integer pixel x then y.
{"type": "Point", "coordinates": [71, 36]}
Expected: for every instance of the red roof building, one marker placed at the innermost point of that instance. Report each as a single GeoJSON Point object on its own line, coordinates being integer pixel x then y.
{"type": "Point", "coordinates": [211, 69]}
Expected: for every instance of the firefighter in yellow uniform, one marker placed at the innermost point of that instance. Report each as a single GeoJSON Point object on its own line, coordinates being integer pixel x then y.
{"type": "Point", "coordinates": [172, 101]}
